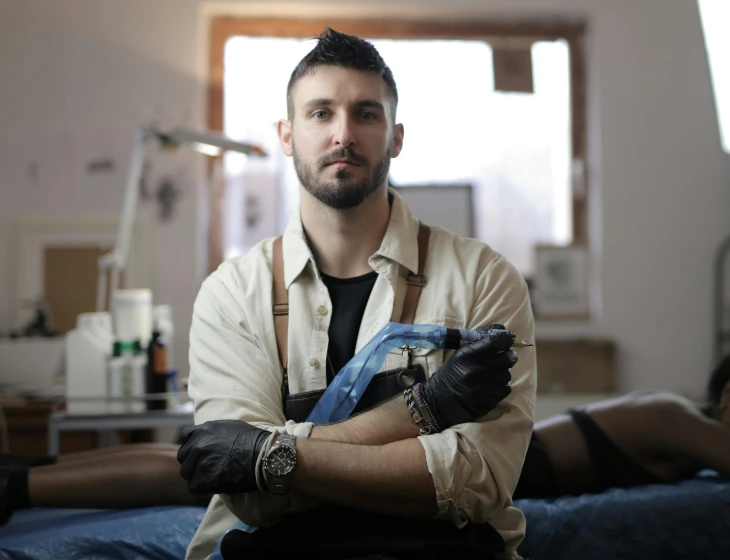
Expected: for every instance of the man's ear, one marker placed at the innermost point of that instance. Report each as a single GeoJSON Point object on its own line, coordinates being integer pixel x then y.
{"type": "Point", "coordinates": [398, 133]}
{"type": "Point", "coordinates": [283, 129]}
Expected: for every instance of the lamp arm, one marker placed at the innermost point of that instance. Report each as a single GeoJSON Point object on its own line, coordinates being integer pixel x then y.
{"type": "Point", "coordinates": [115, 261]}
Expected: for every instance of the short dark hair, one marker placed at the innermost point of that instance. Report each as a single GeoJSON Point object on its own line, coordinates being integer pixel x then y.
{"type": "Point", "coordinates": [719, 378]}
{"type": "Point", "coordinates": [346, 51]}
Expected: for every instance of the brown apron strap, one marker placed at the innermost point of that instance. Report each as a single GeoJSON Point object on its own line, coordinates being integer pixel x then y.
{"type": "Point", "coordinates": [281, 304]}
{"type": "Point", "coordinates": [281, 298]}
{"type": "Point", "coordinates": [416, 281]}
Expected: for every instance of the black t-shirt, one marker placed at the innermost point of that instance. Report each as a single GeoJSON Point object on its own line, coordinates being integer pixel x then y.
{"type": "Point", "coordinates": [349, 298]}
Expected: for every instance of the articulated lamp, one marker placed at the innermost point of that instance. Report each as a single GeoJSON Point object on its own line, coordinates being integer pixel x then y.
{"type": "Point", "coordinates": [210, 143]}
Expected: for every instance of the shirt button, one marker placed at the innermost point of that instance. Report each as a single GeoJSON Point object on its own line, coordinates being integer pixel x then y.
{"type": "Point", "coordinates": [322, 310]}
{"type": "Point", "coordinates": [314, 362]}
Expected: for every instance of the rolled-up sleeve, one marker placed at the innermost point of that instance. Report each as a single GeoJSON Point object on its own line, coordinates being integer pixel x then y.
{"type": "Point", "coordinates": [476, 466]}
{"type": "Point", "coordinates": [233, 377]}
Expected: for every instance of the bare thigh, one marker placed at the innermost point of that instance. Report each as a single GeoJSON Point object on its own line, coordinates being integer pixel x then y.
{"type": "Point", "coordinates": [120, 450]}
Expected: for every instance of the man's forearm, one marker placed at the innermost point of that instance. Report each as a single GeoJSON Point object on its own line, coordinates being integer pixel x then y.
{"type": "Point", "coordinates": [371, 462]}
{"type": "Point", "coordinates": [388, 423]}
{"type": "Point", "coordinates": [389, 479]}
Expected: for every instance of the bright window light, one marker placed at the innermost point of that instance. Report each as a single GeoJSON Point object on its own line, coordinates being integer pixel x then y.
{"type": "Point", "coordinates": [513, 148]}
{"type": "Point", "coordinates": [715, 15]}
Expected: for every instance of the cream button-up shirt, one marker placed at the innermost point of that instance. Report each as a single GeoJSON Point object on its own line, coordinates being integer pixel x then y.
{"type": "Point", "coordinates": [236, 373]}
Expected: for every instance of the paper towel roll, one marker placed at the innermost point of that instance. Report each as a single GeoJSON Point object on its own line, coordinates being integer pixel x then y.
{"type": "Point", "coordinates": [132, 312]}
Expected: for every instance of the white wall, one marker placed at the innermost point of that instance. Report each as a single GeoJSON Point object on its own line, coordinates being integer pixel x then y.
{"type": "Point", "coordinates": [666, 192]}
{"type": "Point", "coordinates": [67, 68]}
{"type": "Point", "coordinates": [660, 185]}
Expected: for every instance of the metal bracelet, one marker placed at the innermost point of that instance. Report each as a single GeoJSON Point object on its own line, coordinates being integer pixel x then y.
{"type": "Point", "coordinates": [425, 409]}
{"type": "Point", "coordinates": [413, 409]}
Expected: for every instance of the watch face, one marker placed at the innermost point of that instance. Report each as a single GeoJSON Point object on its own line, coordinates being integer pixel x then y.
{"type": "Point", "coordinates": [280, 461]}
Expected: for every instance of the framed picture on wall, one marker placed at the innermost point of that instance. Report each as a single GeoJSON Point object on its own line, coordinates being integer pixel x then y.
{"type": "Point", "coordinates": [561, 282]}
{"type": "Point", "coordinates": [450, 206]}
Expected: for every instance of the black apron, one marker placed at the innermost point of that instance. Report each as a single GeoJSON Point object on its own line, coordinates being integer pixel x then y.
{"type": "Point", "coordinates": [334, 532]}
{"type": "Point", "coordinates": [382, 387]}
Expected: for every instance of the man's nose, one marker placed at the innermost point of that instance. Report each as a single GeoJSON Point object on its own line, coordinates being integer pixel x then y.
{"type": "Point", "coordinates": [344, 134]}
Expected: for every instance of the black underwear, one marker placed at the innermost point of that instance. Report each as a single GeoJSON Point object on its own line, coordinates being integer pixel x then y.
{"type": "Point", "coordinates": [613, 468]}
{"type": "Point", "coordinates": [537, 479]}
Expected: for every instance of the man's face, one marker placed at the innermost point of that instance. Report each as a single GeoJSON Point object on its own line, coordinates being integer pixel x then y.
{"type": "Point", "coordinates": [341, 134]}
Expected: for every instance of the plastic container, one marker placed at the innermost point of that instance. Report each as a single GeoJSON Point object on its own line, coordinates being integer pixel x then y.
{"type": "Point", "coordinates": [88, 347]}
{"type": "Point", "coordinates": [126, 376]}
{"type": "Point", "coordinates": [132, 313]}
{"type": "Point", "coordinates": [115, 372]}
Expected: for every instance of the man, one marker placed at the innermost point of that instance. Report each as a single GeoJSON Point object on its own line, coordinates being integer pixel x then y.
{"type": "Point", "coordinates": [350, 260]}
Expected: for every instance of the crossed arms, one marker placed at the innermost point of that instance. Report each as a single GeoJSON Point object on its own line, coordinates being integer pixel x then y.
{"type": "Point", "coordinates": [375, 461]}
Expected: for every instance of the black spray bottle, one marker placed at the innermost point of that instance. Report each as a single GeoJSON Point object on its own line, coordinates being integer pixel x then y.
{"type": "Point", "coordinates": [157, 371]}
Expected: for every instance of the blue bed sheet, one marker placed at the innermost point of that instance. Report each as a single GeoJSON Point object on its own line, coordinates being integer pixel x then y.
{"type": "Point", "coordinates": [686, 520]}
{"type": "Point", "coordinates": [155, 533]}
{"type": "Point", "coordinates": [690, 519]}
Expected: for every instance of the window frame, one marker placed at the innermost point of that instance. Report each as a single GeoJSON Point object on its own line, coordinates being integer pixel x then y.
{"type": "Point", "coordinates": [497, 33]}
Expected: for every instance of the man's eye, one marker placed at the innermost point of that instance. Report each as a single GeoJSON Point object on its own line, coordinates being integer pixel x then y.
{"type": "Point", "coordinates": [368, 116]}
{"type": "Point", "coordinates": [319, 114]}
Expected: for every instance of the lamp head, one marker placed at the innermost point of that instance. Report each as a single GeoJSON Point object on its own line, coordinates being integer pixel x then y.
{"type": "Point", "coordinates": [208, 143]}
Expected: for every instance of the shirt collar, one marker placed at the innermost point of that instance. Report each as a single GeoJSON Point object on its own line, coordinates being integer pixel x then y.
{"type": "Point", "coordinates": [400, 243]}
{"type": "Point", "coordinates": [295, 249]}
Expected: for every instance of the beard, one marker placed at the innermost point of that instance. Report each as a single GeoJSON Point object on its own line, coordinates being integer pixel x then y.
{"type": "Point", "coordinates": [342, 192]}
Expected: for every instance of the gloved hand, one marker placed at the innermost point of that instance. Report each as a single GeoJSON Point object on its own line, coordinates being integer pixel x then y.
{"type": "Point", "coordinates": [473, 380]}
{"type": "Point", "coordinates": [219, 457]}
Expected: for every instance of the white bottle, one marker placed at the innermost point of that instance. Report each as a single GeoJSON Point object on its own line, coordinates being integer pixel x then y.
{"type": "Point", "coordinates": [132, 315]}
{"type": "Point", "coordinates": [117, 368]}
{"type": "Point", "coordinates": [87, 351]}
{"type": "Point", "coordinates": [138, 363]}
{"type": "Point", "coordinates": [126, 376]}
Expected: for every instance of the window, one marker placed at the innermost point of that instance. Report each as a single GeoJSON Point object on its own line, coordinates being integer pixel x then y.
{"type": "Point", "coordinates": [715, 15]}
{"type": "Point", "coordinates": [516, 150]}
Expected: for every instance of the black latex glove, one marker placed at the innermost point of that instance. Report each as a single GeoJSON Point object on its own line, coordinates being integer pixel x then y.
{"type": "Point", "coordinates": [219, 457]}
{"type": "Point", "coordinates": [473, 380]}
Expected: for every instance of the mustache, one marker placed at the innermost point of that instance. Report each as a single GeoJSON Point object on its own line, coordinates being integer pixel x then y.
{"type": "Point", "coordinates": [345, 153]}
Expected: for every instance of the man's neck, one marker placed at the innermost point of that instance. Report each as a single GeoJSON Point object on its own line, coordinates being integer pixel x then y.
{"type": "Point", "coordinates": [342, 241]}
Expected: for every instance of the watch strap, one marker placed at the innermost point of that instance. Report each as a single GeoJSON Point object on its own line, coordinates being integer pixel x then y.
{"type": "Point", "coordinates": [286, 439]}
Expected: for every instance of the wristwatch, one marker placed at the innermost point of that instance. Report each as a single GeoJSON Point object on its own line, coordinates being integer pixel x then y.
{"type": "Point", "coordinates": [279, 464]}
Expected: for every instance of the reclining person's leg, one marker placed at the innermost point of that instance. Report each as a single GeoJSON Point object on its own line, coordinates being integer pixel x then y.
{"type": "Point", "coordinates": [125, 478]}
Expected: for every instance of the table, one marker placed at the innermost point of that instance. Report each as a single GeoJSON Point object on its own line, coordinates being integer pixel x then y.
{"type": "Point", "coordinates": [59, 422]}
